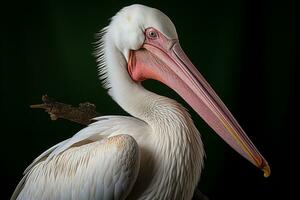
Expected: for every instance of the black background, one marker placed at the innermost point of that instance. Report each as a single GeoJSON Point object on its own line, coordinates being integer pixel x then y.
{"type": "Point", "coordinates": [247, 50]}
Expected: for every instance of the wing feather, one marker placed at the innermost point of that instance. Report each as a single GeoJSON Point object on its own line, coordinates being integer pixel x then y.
{"type": "Point", "coordinates": [44, 155]}
{"type": "Point", "coordinates": [96, 163]}
{"type": "Point", "coordinates": [99, 170]}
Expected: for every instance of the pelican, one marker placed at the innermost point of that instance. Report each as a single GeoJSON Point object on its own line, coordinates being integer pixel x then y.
{"type": "Point", "coordinates": [157, 152]}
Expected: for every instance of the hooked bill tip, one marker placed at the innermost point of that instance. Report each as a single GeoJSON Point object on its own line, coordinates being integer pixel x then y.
{"type": "Point", "coordinates": [267, 171]}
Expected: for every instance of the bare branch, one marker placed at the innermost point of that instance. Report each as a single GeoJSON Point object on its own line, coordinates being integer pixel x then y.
{"type": "Point", "coordinates": [81, 114]}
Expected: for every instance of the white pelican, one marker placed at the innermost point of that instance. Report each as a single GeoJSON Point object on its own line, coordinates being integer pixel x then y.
{"type": "Point", "coordinates": [155, 154]}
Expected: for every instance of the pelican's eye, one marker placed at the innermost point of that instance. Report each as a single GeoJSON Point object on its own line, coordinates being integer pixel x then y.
{"type": "Point", "coordinates": [151, 33]}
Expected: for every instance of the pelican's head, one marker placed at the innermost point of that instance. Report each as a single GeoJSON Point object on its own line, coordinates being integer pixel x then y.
{"type": "Point", "coordinates": [148, 48]}
{"type": "Point", "coordinates": [134, 24]}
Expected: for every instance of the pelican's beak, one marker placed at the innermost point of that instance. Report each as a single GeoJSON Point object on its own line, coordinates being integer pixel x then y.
{"type": "Point", "coordinates": [164, 60]}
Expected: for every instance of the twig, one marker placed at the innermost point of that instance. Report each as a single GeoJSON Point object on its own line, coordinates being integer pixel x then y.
{"type": "Point", "coordinates": [81, 114]}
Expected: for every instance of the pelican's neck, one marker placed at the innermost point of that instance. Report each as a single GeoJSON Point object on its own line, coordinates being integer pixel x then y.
{"type": "Point", "coordinates": [131, 96]}
{"type": "Point", "coordinates": [174, 134]}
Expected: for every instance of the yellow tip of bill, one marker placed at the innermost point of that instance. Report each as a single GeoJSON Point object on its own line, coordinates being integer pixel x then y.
{"type": "Point", "coordinates": [267, 171]}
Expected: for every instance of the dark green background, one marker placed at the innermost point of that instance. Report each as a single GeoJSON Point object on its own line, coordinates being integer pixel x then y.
{"type": "Point", "coordinates": [245, 49]}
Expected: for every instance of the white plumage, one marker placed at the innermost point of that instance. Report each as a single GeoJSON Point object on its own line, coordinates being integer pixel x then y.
{"type": "Point", "coordinates": [157, 153]}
